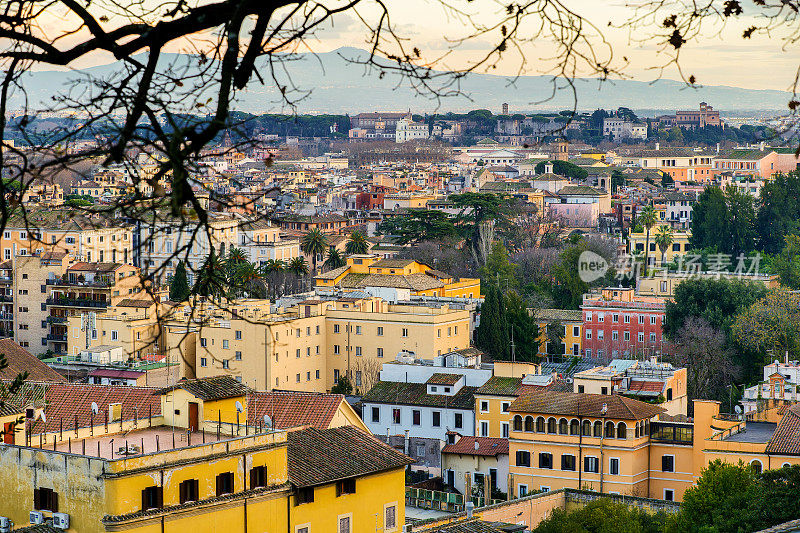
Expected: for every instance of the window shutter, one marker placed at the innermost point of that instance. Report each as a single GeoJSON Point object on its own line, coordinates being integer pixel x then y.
{"type": "Point", "coordinates": [182, 492]}
{"type": "Point", "coordinates": [144, 500]}
{"type": "Point", "coordinates": [338, 488]}
{"type": "Point", "coordinates": [54, 504]}
{"type": "Point", "coordinates": [159, 497]}
{"type": "Point", "coordinates": [36, 499]}
{"type": "Point", "coordinates": [219, 485]}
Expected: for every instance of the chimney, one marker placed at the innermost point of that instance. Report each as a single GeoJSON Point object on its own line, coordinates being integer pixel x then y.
{"type": "Point", "coordinates": [477, 445]}
{"type": "Point", "coordinates": [658, 146]}
{"type": "Point", "coordinates": [761, 146]}
{"type": "Point", "coordinates": [717, 147]}
{"type": "Point", "coordinates": [548, 168]}
{"type": "Point", "coordinates": [469, 507]}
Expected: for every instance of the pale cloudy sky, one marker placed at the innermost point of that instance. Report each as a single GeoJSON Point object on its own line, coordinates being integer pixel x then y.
{"type": "Point", "coordinates": [719, 56]}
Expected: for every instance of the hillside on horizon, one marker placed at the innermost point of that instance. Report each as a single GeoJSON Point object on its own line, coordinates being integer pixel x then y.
{"type": "Point", "coordinates": [341, 86]}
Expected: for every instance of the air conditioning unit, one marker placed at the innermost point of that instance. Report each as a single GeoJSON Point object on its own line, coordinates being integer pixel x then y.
{"type": "Point", "coordinates": [36, 517]}
{"type": "Point", "coordinates": [5, 524]}
{"type": "Point", "coordinates": [61, 520]}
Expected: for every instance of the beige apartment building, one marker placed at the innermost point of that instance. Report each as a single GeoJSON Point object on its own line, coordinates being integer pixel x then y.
{"type": "Point", "coordinates": [306, 347]}
{"type": "Point", "coordinates": [85, 237]}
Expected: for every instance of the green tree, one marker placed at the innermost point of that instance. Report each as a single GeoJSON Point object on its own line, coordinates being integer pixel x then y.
{"type": "Point", "coordinates": [787, 263]}
{"type": "Point", "coordinates": [357, 243]}
{"type": "Point", "coordinates": [617, 180]}
{"type": "Point", "coordinates": [663, 240]}
{"type": "Point", "coordinates": [211, 279]}
{"type": "Point", "coordinates": [564, 168]}
{"type": "Point", "coordinates": [334, 259]}
{"type": "Point", "coordinates": [523, 328]}
{"type": "Point", "coordinates": [179, 285]}
{"type": "Point", "coordinates": [647, 218]}
{"type": "Point", "coordinates": [499, 269]}
{"type": "Point", "coordinates": [491, 334]}
{"type": "Point", "coordinates": [343, 386]}
{"type": "Point", "coordinates": [725, 220]}
{"type": "Point", "coordinates": [298, 266]}
{"type": "Point", "coordinates": [418, 226]}
{"type": "Point", "coordinates": [603, 516]}
{"type": "Point", "coordinates": [779, 214]}
{"type": "Point", "coordinates": [675, 135]}
{"type": "Point", "coordinates": [771, 326]}
{"type": "Point", "coordinates": [717, 301]}
{"type": "Point", "coordinates": [554, 337]}
{"type": "Point", "coordinates": [314, 243]}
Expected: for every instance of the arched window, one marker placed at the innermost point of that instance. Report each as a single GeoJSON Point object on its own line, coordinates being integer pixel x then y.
{"type": "Point", "coordinates": [574, 427]}
{"type": "Point", "coordinates": [598, 429]}
{"type": "Point", "coordinates": [609, 430]}
{"type": "Point", "coordinates": [786, 465]}
{"type": "Point", "coordinates": [646, 428]}
{"type": "Point", "coordinates": [622, 430]}
{"type": "Point", "coordinates": [551, 425]}
{"type": "Point", "coordinates": [586, 428]}
{"type": "Point", "coordinates": [540, 424]}
{"type": "Point", "coordinates": [563, 426]}
{"type": "Point", "coordinates": [528, 423]}
{"type": "Point", "coordinates": [756, 465]}
{"type": "Point", "coordinates": [636, 431]}
{"type": "Point", "coordinates": [517, 423]}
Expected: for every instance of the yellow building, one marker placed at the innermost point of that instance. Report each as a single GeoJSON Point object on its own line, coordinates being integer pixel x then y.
{"type": "Point", "coordinates": [135, 471]}
{"type": "Point", "coordinates": [571, 337]}
{"type": "Point", "coordinates": [679, 246]}
{"type": "Point", "coordinates": [404, 276]}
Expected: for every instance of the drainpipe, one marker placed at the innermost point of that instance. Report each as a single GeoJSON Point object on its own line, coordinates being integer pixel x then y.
{"type": "Point", "coordinates": [602, 457]}
{"type": "Point", "coordinates": [580, 450]}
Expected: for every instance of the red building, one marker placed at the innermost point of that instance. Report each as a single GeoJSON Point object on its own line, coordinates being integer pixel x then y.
{"type": "Point", "coordinates": [618, 323]}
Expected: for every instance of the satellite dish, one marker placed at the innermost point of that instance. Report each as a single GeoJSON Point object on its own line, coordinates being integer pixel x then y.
{"type": "Point", "coordinates": [738, 409]}
{"type": "Point", "coordinates": [43, 417]}
{"type": "Point", "coordinates": [94, 407]}
{"type": "Point", "coordinates": [267, 421]}
{"type": "Point", "coordinates": [239, 407]}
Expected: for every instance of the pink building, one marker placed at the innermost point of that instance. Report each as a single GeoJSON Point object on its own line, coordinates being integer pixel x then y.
{"type": "Point", "coordinates": [618, 323]}
{"type": "Point", "coordinates": [762, 161]}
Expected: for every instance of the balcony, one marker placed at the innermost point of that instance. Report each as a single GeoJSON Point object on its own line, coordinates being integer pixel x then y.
{"type": "Point", "coordinates": [6, 316]}
{"type": "Point", "coordinates": [57, 320]}
{"type": "Point", "coordinates": [56, 337]}
{"type": "Point", "coordinates": [96, 283]}
{"type": "Point", "coordinates": [77, 302]}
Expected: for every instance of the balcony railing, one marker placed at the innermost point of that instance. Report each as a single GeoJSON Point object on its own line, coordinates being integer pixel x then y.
{"type": "Point", "coordinates": [56, 337]}
{"type": "Point", "coordinates": [77, 302]}
{"type": "Point", "coordinates": [6, 316]}
{"type": "Point", "coordinates": [100, 283]}
{"type": "Point", "coordinates": [57, 319]}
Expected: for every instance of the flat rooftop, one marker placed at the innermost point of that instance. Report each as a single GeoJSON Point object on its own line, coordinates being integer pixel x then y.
{"type": "Point", "coordinates": [756, 432]}
{"type": "Point", "coordinates": [133, 443]}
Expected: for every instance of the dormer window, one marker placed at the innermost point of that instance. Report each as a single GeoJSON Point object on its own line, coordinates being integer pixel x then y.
{"type": "Point", "coordinates": [447, 389]}
{"type": "Point", "coordinates": [433, 389]}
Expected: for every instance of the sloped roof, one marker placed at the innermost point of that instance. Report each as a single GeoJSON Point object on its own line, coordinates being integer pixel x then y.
{"type": "Point", "coordinates": [391, 263]}
{"type": "Point", "coordinates": [213, 388]}
{"type": "Point", "coordinates": [289, 409]}
{"type": "Point", "coordinates": [589, 405]}
{"type": "Point", "coordinates": [132, 302]}
{"type": "Point", "coordinates": [500, 386]}
{"type": "Point", "coordinates": [400, 393]}
{"type": "Point", "coordinates": [20, 360]}
{"type": "Point", "coordinates": [94, 267]}
{"type": "Point", "coordinates": [579, 190]}
{"type": "Point", "coordinates": [640, 386]}
{"type": "Point", "coordinates": [486, 446]}
{"type": "Point", "coordinates": [786, 439]}
{"type": "Point", "coordinates": [440, 378]}
{"type": "Point", "coordinates": [317, 457]}
{"type": "Point", "coordinates": [746, 154]}
{"type": "Point", "coordinates": [563, 315]}
{"type": "Point", "coordinates": [333, 274]}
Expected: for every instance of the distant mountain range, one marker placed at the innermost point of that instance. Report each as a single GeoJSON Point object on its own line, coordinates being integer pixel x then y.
{"type": "Point", "coordinates": [340, 86]}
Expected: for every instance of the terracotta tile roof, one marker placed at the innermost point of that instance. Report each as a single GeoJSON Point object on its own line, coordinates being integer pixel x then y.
{"type": "Point", "coordinates": [486, 446]}
{"type": "Point", "coordinates": [638, 385]}
{"type": "Point", "coordinates": [289, 409]}
{"type": "Point", "coordinates": [317, 457]}
{"type": "Point", "coordinates": [395, 392]}
{"type": "Point", "coordinates": [469, 525]}
{"type": "Point", "coordinates": [500, 386]}
{"type": "Point", "coordinates": [563, 315]}
{"type": "Point", "coordinates": [131, 302]}
{"type": "Point", "coordinates": [333, 274]}
{"type": "Point", "coordinates": [589, 405]}
{"type": "Point", "coordinates": [391, 263]}
{"type": "Point", "coordinates": [68, 401]}
{"type": "Point", "coordinates": [20, 360]}
{"type": "Point", "coordinates": [213, 388]}
{"type": "Point", "coordinates": [440, 378]}
{"type": "Point", "coordinates": [94, 267]}
{"type": "Point", "coordinates": [786, 439]}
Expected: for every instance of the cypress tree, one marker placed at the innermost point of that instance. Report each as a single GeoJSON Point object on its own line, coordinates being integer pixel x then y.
{"type": "Point", "coordinates": [179, 286]}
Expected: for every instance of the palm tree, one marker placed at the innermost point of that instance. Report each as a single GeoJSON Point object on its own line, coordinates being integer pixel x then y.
{"type": "Point", "coordinates": [252, 278]}
{"type": "Point", "coordinates": [314, 243]}
{"type": "Point", "coordinates": [648, 219]}
{"type": "Point", "coordinates": [663, 239]}
{"type": "Point", "coordinates": [298, 266]}
{"type": "Point", "coordinates": [334, 259]}
{"type": "Point", "coordinates": [357, 243]}
{"type": "Point", "coordinates": [211, 280]}
{"type": "Point", "coordinates": [273, 269]}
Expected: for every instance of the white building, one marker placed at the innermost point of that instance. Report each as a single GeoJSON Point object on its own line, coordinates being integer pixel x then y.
{"type": "Point", "coordinates": [475, 465]}
{"type": "Point", "coordinates": [780, 383]}
{"type": "Point", "coordinates": [619, 129]}
{"type": "Point", "coordinates": [408, 130]}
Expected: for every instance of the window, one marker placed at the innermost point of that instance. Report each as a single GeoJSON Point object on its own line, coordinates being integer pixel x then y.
{"type": "Point", "coordinates": [346, 486]}
{"type": "Point", "coordinates": [591, 464]}
{"type": "Point", "coordinates": [225, 344]}
{"type": "Point", "coordinates": [45, 499]}
{"type": "Point", "coordinates": [504, 407]}
{"type": "Point", "coordinates": [641, 319]}
{"type": "Point", "coordinates": [188, 491]}
{"type": "Point", "coordinates": [667, 463]}
{"type": "Point", "coordinates": [344, 524]}
{"type": "Point", "coordinates": [336, 328]}
{"type": "Point", "coordinates": [622, 430]}
{"type": "Point", "coordinates": [238, 335]}
{"type": "Point", "coordinates": [484, 429]}
{"type": "Point", "coordinates": [258, 477]}
{"type": "Point", "coordinates": [390, 517]}
{"type": "Point", "coordinates": [336, 349]}
{"type": "Point", "coordinates": [523, 458]}
{"type": "Point", "coordinates": [317, 374]}
{"type": "Point", "coordinates": [581, 389]}
{"type": "Point", "coordinates": [669, 495]}
{"type": "Point", "coordinates": [641, 336]}
{"type": "Point", "coordinates": [203, 342]}
{"type": "Point", "coordinates": [238, 355]}
{"type": "Point", "coordinates": [297, 378]}
{"type": "Point", "coordinates": [396, 416]}
{"type": "Point", "coordinates": [756, 465]}
{"type": "Point", "coordinates": [669, 393]}
{"type": "Point", "coordinates": [380, 352]}
{"type": "Point", "coordinates": [551, 425]}
{"type": "Point", "coordinates": [484, 406]}
{"type": "Point", "coordinates": [405, 332]}
{"type": "Point", "coordinates": [152, 498]}
{"type": "Point", "coordinates": [376, 414]}
{"type": "Point", "coordinates": [225, 483]}
{"type": "Point", "coordinates": [305, 495]}
{"type": "Point", "coordinates": [613, 466]}
{"type": "Point", "coordinates": [504, 429]}
{"type": "Point", "coordinates": [225, 364]}
{"type": "Point", "coordinates": [358, 330]}
{"type": "Point", "coordinates": [358, 351]}
{"type": "Point", "coordinates": [652, 321]}
{"type": "Point", "coordinates": [546, 460]}
{"type": "Point", "coordinates": [568, 462]}
{"type": "Point", "coordinates": [615, 318]}
{"type": "Point", "coordinates": [297, 353]}
{"type": "Point", "coordinates": [415, 417]}
{"type": "Point", "coordinates": [203, 362]}
{"type": "Point", "coordinates": [523, 490]}
{"type": "Point", "coordinates": [576, 331]}
{"type": "Point", "coordinates": [627, 336]}
{"type": "Point", "coordinates": [459, 422]}
{"type": "Point", "coordinates": [437, 419]}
